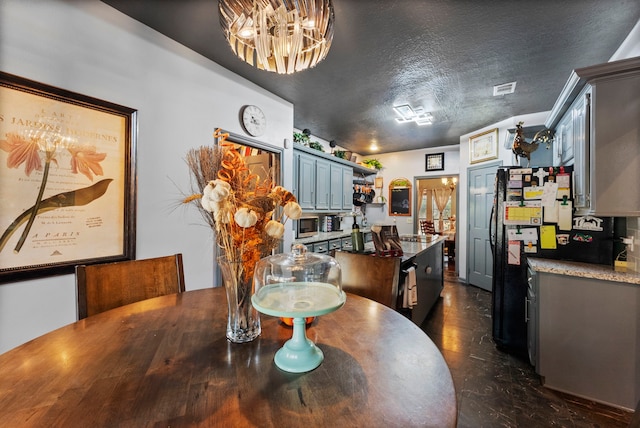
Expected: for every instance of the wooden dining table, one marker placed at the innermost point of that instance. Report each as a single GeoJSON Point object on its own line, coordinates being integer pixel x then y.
{"type": "Point", "coordinates": [165, 362]}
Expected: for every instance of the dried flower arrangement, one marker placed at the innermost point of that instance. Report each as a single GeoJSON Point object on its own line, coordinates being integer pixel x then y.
{"type": "Point", "coordinates": [238, 205]}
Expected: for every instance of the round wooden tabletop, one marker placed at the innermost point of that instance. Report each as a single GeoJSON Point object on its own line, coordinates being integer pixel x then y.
{"type": "Point", "coordinates": [166, 362]}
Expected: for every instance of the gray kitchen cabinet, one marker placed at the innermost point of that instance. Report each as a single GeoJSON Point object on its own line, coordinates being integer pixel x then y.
{"type": "Point", "coordinates": [334, 245]}
{"type": "Point", "coordinates": [586, 336]}
{"type": "Point", "coordinates": [346, 244]}
{"type": "Point", "coordinates": [306, 181]}
{"type": "Point", "coordinates": [531, 316]}
{"type": "Point", "coordinates": [598, 115]}
{"type": "Point", "coordinates": [323, 185]}
{"type": "Point", "coordinates": [336, 188]}
{"type": "Point", "coordinates": [347, 188]}
{"type": "Point", "coordinates": [320, 247]}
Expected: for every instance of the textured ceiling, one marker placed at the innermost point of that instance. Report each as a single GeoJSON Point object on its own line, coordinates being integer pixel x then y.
{"type": "Point", "coordinates": [445, 55]}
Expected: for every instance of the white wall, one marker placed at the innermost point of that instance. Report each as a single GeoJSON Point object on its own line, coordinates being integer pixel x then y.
{"type": "Point", "coordinates": [408, 164]}
{"type": "Point", "coordinates": [181, 97]}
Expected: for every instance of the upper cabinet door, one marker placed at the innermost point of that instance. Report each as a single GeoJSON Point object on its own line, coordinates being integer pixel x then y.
{"type": "Point", "coordinates": [323, 184]}
{"type": "Point", "coordinates": [306, 181]}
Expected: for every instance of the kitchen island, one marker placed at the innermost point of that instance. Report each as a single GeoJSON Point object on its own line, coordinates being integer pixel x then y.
{"type": "Point", "coordinates": [584, 330]}
{"type": "Point", "coordinates": [426, 255]}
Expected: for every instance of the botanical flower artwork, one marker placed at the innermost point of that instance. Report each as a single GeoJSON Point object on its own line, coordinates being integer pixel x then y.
{"type": "Point", "coordinates": [241, 207]}
{"type": "Point", "coordinates": [65, 174]}
{"type": "Point", "coordinates": [38, 150]}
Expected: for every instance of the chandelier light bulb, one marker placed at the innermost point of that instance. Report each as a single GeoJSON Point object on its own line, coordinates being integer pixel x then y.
{"type": "Point", "coordinates": [278, 35]}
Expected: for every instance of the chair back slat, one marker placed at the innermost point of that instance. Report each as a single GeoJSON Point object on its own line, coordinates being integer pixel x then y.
{"type": "Point", "coordinates": [109, 285]}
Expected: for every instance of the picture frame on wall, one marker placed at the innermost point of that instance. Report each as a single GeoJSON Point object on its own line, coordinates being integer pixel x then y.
{"type": "Point", "coordinates": [67, 180]}
{"type": "Point", "coordinates": [483, 146]}
{"type": "Point", "coordinates": [434, 162]}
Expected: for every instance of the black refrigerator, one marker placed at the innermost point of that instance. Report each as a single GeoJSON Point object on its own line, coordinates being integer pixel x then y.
{"type": "Point", "coordinates": [533, 216]}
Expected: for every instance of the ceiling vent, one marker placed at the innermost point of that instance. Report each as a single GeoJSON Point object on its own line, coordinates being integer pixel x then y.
{"type": "Point", "coordinates": [504, 89]}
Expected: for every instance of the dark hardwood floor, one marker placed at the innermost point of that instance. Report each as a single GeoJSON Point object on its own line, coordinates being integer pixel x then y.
{"type": "Point", "coordinates": [495, 389]}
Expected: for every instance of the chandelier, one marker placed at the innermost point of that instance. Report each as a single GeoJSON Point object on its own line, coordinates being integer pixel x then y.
{"type": "Point", "coordinates": [282, 36]}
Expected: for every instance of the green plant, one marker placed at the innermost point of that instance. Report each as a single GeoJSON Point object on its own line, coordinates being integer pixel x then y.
{"type": "Point", "coordinates": [299, 137]}
{"type": "Point", "coordinates": [372, 163]}
{"type": "Point", "coordinates": [316, 145]}
{"type": "Point", "coordinates": [340, 154]}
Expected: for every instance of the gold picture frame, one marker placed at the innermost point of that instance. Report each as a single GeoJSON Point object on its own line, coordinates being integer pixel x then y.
{"type": "Point", "coordinates": [400, 197]}
{"type": "Point", "coordinates": [483, 146]}
{"type": "Point", "coordinates": [67, 180]}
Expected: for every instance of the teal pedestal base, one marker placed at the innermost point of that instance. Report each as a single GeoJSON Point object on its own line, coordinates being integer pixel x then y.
{"type": "Point", "coordinates": [298, 354]}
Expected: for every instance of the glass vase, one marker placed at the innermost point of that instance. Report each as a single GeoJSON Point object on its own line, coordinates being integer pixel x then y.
{"type": "Point", "coordinates": [243, 321]}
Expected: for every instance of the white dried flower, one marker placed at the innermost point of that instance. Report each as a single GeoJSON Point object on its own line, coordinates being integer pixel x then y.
{"type": "Point", "coordinates": [293, 210]}
{"type": "Point", "coordinates": [245, 217]}
{"type": "Point", "coordinates": [207, 204]}
{"type": "Point", "coordinates": [274, 229]}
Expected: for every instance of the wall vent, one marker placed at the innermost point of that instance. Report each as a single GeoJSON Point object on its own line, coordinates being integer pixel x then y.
{"type": "Point", "coordinates": [504, 89]}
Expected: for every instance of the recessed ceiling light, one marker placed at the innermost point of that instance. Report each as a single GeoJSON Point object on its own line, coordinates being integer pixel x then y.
{"type": "Point", "coordinates": [504, 89]}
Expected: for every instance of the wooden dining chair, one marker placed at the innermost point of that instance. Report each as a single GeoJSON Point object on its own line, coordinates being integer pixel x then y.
{"type": "Point", "coordinates": [109, 285]}
{"type": "Point", "coordinates": [427, 227]}
{"type": "Point", "coordinates": [375, 278]}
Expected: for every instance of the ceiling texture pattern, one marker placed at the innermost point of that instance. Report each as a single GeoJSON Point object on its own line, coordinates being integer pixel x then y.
{"type": "Point", "coordinates": [443, 55]}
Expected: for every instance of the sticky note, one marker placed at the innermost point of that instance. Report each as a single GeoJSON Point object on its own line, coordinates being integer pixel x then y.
{"type": "Point", "coordinates": [548, 237]}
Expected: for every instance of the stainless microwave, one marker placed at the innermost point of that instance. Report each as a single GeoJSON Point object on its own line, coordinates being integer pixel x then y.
{"type": "Point", "coordinates": [307, 226]}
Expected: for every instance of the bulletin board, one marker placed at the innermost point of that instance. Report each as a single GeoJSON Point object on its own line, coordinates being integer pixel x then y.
{"type": "Point", "coordinates": [400, 197]}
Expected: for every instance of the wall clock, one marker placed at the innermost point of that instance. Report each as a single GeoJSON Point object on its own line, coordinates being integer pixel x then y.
{"type": "Point", "coordinates": [253, 120]}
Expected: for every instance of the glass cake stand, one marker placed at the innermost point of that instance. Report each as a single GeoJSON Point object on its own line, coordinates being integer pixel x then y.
{"type": "Point", "coordinates": [298, 300]}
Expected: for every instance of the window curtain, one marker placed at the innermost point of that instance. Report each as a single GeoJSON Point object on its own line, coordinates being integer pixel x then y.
{"type": "Point", "coordinates": [442, 197]}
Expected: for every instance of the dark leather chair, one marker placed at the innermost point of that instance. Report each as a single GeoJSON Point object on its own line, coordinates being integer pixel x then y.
{"type": "Point", "coordinates": [109, 285]}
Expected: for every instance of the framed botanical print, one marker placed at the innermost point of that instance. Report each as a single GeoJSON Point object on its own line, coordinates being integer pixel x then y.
{"type": "Point", "coordinates": [67, 180]}
{"type": "Point", "coordinates": [483, 146]}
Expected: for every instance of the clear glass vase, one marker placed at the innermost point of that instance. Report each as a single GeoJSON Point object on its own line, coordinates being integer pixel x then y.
{"type": "Point", "coordinates": [243, 321]}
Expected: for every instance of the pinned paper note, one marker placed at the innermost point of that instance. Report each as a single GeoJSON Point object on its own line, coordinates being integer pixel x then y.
{"type": "Point", "coordinates": [513, 253]}
{"type": "Point", "coordinates": [548, 237]}
{"type": "Point", "coordinates": [563, 192]}
{"type": "Point", "coordinates": [563, 180]}
{"type": "Point", "coordinates": [551, 212]}
{"type": "Point", "coordinates": [533, 192]}
{"type": "Point", "coordinates": [525, 234]}
{"type": "Point", "coordinates": [523, 212]}
{"type": "Point", "coordinates": [565, 216]}
{"type": "Point", "coordinates": [549, 194]}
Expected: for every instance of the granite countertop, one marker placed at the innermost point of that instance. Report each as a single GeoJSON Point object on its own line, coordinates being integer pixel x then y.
{"type": "Point", "coordinates": [584, 270]}
{"type": "Point", "coordinates": [328, 236]}
{"type": "Point", "coordinates": [412, 248]}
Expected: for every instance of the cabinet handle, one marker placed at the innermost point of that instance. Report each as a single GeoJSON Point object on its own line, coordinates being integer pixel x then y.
{"type": "Point", "coordinates": [526, 309]}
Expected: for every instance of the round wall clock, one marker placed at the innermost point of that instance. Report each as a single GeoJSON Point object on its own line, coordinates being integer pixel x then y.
{"type": "Point", "coordinates": [253, 120]}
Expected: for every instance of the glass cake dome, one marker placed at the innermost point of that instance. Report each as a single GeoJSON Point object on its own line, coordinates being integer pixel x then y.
{"type": "Point", "coordinates": [298, 285]}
